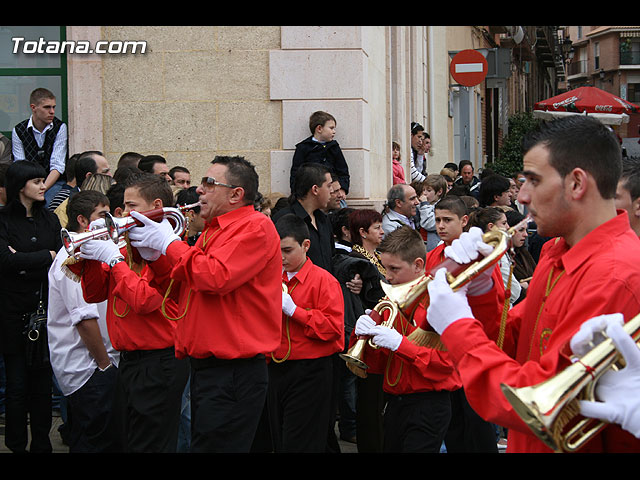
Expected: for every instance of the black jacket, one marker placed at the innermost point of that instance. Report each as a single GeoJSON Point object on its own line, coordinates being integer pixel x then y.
{"type": "Point", "coordinates": [22, 273]}
{"type": "Point", "coordinates": [328, 154]}
{"type": "Point", "coordinates": [322, 246]}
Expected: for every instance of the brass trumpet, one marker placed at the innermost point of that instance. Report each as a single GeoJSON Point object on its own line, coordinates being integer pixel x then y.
{"type": "Point", "coordinates": [551, 410]}
{"type": "Point", "coordinates": [402, 297]}
{"type": "Point", "coordinates": [115, 228]}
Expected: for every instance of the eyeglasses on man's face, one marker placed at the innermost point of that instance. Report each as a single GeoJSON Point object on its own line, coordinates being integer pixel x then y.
{"type": "Point", "coordinates": [210, 182]}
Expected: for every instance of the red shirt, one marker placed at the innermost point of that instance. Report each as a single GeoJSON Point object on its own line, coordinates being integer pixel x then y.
{"type": "Point", "coordinates": [134, 317]}
{"type": "Point", "coordinates": [413, 368]}
{"type": "Point", "coordinates": [488, 307]}
{"type": "Point", "coordinates": [316, 328]}
{"type": "Point", "coordinates": [598, 275]}
{"type": "Point", "coordinates": [230, 286]}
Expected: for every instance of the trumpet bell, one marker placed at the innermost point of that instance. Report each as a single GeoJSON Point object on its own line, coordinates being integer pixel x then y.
{"type": "Point", "coordinates": [72, 240]}
{"type": "Point", "coordinates": [355, 353]}
{"type": "Point", "coordinates": [551, 410]}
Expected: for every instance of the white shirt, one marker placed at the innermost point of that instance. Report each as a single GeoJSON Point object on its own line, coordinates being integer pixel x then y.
{"type": "Point", "coordinates": [58, 154]}
{"type": "Point", "coordinates": [71, 361]}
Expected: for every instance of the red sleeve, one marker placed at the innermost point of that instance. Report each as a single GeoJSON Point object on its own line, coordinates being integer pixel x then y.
{"type": "Point", "coordinates": [326, 321]}
{"type": "Point", "coordinates": [223, 269]}
{"type": "Point", "coordinates": [137, 291]}
{"type": "Point", "coordinates": [95, 281]}
{"type": "Point", "coordinates": [435, 365]}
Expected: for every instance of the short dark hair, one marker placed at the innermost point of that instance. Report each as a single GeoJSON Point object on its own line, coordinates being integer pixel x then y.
{"type": "Point", "coordinates": [308, 175]}
{"type": "Point", "coordinates": [129, 159]}
{"type": "Point", "coordinates": [290, 225]}
{"type": "Point", "coordinates": [242, 173]}
{"type": "Point", "coordinates": [173, 170]}
{"type": "Point", "coordinates": [631, 176]}
{"type": "Point", "coordinates": [188, 196]}
{"type": "Point", "coordinates": [123, 172]}
{"type": "Point", "coordinates": [146, 163]}
{"type": "Point", "coordinates": [404, 242]}
{"type": "Point", "coordinates": [150, 187]}
{"type": "Point", "coordinates": [454, 204]}
{"type": "Point", "coordinates": [340, 218]}
{"type": "Point", "coordinates": [580, 142]}
{"type": "Point", "coordinates": [463, 163]}
{"type": "Point", "coordinates": [40, 94]}
{"type": "Point", "coordinates": [85, 164]}
{"type": "Point", "coordinates": [83, 203]}
{"type": "Point", "coordinates": [18, 174]}
{"type": "Point", "coordinates": [318, 119]}
{"type": "Point", "coordinates": [490, 187]}
{"type": "Point", "coordinates": [115, 194]}
{"type": "Point", "coordinates": [362, 218]}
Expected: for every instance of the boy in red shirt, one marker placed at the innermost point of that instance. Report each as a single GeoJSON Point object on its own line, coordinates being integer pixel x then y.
{"type": "Point", "coordinates": [150, 378]}
{"type": "Point", "coordinates": [468, 433]}
{"type": "Point", "coordinates": [418, 379]}
{"type": "Point", "coordinates": [301, 368]}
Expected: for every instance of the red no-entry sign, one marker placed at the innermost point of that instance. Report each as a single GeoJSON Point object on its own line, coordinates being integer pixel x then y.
{"type": "Point", "coordinates": [468, 67]}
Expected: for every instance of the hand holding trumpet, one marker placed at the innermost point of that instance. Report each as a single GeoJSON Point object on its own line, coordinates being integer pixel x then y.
{"type": "Point", "coordinates": [617, 391]}
{"type": "Point", "coordinates": [152, 235]}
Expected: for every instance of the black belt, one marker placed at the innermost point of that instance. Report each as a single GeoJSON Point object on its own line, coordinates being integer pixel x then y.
{"type": "Point", "coordinates": [138, 354]}
{"type": "Point", "coordinates": [212, 361]}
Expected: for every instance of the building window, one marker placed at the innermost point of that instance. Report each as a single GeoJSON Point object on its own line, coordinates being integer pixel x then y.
{"type": "Point", "coordinates": [27, 69]}
{"type": "Point", "coordinates": [596, 56]}
{"type": "Point", "coordinates": [629, 51]}
{"type": "Point", "coordinates": [633, 93]}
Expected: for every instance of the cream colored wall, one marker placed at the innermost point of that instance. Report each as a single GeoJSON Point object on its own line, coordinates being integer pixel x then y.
{"type": "Point", "coordinates": [200, 91]}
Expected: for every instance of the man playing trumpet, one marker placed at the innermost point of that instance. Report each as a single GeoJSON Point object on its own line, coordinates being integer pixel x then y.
{"type": "Point", "coordinates": [230, 304]}
{"type": "Point", "coordinates": [139, 320]}
{"type": "Point", "coordinates": [572, 168]}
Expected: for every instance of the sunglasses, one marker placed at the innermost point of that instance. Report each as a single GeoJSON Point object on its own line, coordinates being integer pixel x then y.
{"type": "Point", "coordinates": [210, 182]}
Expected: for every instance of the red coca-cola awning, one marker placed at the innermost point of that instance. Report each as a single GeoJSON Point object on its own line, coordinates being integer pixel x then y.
{"type": "Point", "coordinates": [587, 100]}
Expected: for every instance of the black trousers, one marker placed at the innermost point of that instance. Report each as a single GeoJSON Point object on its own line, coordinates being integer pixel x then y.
{"type": "Point", "coordinates": [417, 422]}
{"type": "Point", "coordinates": [149, 398]}
{"type": "Point", "coordinates": [300, 403]}
{"type": "Point", "coordinates": [90, 414]}
{"type": "Point", "coordinates": [227, 400]}
{"type": "Point", "coordinates": [468, 432]}
{"type": "Point", "coordinates": [370, 402]}
{"type": "Point", "coordinates": [27, 402]}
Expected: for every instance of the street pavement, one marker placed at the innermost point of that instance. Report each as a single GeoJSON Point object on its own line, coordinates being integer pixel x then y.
{"type": "Point", "coordinates": [59, 447]}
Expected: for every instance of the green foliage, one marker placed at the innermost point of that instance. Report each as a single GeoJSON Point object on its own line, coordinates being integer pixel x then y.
{"type": "Point", "coordinates": [509, 159]}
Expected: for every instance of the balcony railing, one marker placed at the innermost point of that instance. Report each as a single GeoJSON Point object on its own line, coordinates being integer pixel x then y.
{"type": "Point", "coordinates": [576, 67]}
{"type": "Point", "coordinates": [630, 58]}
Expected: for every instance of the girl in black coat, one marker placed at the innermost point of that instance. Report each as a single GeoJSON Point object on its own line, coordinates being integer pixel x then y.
{"type": "Point", "coordinates": [29, 240]}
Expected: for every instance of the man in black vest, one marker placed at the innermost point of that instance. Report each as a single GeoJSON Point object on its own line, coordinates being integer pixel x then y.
{"type": "Point", "coordinates": [42, 139]}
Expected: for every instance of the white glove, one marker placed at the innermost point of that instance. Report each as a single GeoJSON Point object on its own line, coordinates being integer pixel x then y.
{"type": "Point", "coordinates": [591, 332]}
{"type": "Point", "coordinates": [97, 223]}
{"type": "Point", "coordinates": [618, 392]}
{"type": "Point", "coordinates": [445, 305]}
{"type": "Point", "coordinates": [101, 250]}
{"type": "Point", "coordinates": [155, 235]}
{"type": "Point", "coordinates": [364, 325]}
{"type": "Point", "coordinates": [467, 248]}
{"type": "Point", "coordinates": [385, 337]}
{"type": "Point", "coordinates": [149, 254]}
{"type": "Point", "coordinates": [288, 306]}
